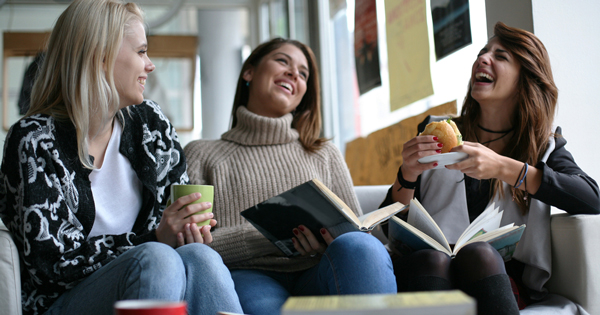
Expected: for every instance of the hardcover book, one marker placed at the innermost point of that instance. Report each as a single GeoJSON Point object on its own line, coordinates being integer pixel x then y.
{"type": "Point", "coordinates": [315, 206]}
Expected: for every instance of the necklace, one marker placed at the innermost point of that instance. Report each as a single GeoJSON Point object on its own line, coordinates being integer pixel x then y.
{"type": "Point", "coordinates": [504, 134]}
{"type": "Point", "coordinates": [492, 131]}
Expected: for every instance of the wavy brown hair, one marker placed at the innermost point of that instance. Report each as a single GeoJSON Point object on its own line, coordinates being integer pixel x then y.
{"type": "Point", "coordinates": [536, 103]}
{"type": "Point", "coordinates": [307, 116]}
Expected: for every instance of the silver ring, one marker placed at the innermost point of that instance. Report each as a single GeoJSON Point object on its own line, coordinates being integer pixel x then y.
{"type": "Point", "coordinates": [313, 255]}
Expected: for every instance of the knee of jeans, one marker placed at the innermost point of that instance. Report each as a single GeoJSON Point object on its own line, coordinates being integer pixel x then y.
{"type": "Point", "coordinates": [160, 257]}
{"type": "Point", "coordinates": [358, 242]}
{"type": "Point", "coordinates": [202, 255]}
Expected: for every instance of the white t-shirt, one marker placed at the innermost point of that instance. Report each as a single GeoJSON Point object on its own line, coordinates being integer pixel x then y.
{"type": "Point", "coordinates": [116, 189]}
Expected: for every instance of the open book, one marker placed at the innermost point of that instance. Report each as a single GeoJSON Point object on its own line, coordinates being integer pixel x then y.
{"type": "Point", "coordinates": [421, 232]}
{"type": "Point", "coordinates": [313, 205]}
{"type": "Point", "coordinates": [453, 302]}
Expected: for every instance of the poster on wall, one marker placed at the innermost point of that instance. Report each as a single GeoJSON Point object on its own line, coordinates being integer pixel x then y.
{"type": "Point", "coordinates": [366, 46]}
{"type": "Point", "coordinates": [451, 26]}
{"type": "Point", "coordinates": [408, 52]}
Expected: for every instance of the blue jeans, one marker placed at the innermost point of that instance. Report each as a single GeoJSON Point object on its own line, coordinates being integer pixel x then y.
{"type": "Point", "coordinates": [354, 263]}
{"type": "Point", "coordinates": [194, 273]}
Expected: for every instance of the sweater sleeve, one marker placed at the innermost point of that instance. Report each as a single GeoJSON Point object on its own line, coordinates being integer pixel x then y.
{"type": "Point", "coordinates": [564, 185]}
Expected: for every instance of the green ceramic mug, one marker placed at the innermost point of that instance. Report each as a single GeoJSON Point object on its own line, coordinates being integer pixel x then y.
{"type": "Point", "coordinates": [207, 192]}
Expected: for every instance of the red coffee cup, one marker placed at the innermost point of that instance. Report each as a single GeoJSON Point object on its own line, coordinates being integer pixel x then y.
{"type": "Point", "coordinates": [150, 307]}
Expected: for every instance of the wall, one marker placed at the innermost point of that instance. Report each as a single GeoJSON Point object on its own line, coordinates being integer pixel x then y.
{"type": "Point", "coordinates": [450, 75]}
{"type": "Point", "coordinates": [570, 34]}
{"type": "Point", "coordinates": [518, 14]}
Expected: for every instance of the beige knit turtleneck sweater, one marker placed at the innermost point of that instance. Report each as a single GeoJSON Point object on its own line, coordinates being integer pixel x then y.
{"type": "Point", "coordinates": [258, 159]}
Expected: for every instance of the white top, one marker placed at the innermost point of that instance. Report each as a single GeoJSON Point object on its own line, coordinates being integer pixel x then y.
{"type": "Point", "coordinates": [116, 189]}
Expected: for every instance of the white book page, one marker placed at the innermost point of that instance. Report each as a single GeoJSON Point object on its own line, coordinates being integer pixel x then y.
{"type": "Point", "coordinates": [490, 221]}
{"type": "Point", "coordinates": [487, 236]}
{"type": "Point", "coordinates": [426, 238]}
{"type": "Point", "coordinates": [419, 218]}
{"type": "Point", "coordinates": [373, 218]}
{"type": "Point", "coordinates": [491, 210]}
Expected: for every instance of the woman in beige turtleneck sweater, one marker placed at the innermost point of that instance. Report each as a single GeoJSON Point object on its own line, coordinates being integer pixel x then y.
{"type": "Point", "coordinates": [273, 146]}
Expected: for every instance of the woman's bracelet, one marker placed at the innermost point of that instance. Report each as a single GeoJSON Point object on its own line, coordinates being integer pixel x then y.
{"type": "Point", "coordinates": [403, 182]}
{"type": "Point", "coordinates": [524, 173]}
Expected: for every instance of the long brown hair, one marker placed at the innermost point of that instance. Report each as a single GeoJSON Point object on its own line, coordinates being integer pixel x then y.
{"type": "Point", "coordinates": [536, 103]}
{"type": "Point", "coordinates": [307, 116]}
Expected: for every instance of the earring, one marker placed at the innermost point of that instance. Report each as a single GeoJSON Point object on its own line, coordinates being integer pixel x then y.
{"type": "Point", "coordinates": [247, 83]}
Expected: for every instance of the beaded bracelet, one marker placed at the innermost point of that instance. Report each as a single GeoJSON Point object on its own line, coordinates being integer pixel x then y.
{"type": "Point", "coordinates": [519, 182]}
{"type": "Point", "coordinates": [403, 182]}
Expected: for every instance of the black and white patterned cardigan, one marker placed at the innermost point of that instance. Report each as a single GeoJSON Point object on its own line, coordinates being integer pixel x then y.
{"type": "Point", "coordinates": [46, 198]}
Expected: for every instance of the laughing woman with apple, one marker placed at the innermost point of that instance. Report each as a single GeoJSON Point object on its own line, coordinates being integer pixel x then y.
{"type": "Point", "coordinates": [85, 179]}
{"type": "Point", "coordinates": [274, 145]}
{"type": "Point", "coordinates": [517, 159]}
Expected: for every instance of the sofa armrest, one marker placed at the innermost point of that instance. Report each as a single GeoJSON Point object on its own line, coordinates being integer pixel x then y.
{"type": "Point", "coordinates": [369, 198]}
{"type": "Point", "coordinates": [10, 275]}
{"type": "Point", "coordinates": [576, 259]}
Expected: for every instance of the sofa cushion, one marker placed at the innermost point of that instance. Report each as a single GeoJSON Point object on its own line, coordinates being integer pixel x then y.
{"type": "Point", "coordinates": [10, 275]}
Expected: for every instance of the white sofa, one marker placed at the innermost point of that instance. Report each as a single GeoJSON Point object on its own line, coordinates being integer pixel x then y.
{"type": "Point", "coordinates": [575, 260]}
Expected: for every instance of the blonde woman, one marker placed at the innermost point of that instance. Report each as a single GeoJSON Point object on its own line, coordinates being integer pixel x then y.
{"type": "Point", "coordinates": [85, 179]}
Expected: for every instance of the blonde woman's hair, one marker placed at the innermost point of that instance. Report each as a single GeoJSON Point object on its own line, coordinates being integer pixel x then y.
{"type": "Point", "coordinates": [76, 79]}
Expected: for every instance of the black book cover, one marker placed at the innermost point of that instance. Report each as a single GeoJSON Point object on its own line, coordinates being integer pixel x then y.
{"type": "Point", "coordinates": [304, 205]}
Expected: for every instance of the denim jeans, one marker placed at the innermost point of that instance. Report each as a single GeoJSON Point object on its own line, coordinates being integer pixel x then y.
{"type": "Point", "coordinates": [194, 273]}
{"type": "Point", "coordinates": [354, 263]}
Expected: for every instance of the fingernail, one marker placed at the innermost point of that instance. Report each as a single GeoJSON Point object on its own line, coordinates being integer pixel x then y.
{"type": "Point", "coordinates": [435, 138]}
{"type": "Point", "coordinates": [440, 145]}
{"type": "Point", "coordinates": [210, 214]}
{"type": "Point", "coordinates": [323, 231]}
{"type": "Point", "coordinates": [197, 195]}
{"type": "Point", "coordinates": [435, 164]}
{"type": "Point", "coordinates": [208, 204]}
{"type": "Point", "coordinates": [294, 240]}
{"type": "Point", "coordinates": [438, 151]}
{"type": "Point", "coordinates": [301, 228]}
{"type": "Point", "coordinates": [187, 226]}
{"type": "Point", "coordinates": [295, 231]}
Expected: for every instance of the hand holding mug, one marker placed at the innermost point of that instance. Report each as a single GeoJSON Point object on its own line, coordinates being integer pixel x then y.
{"type": "Point", "coordinates": [188, 216]}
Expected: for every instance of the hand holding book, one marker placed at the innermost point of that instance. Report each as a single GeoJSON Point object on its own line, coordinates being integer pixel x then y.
{"type": "Point", "coordinates": [306, 243]}
{"type": "Point", "coordinates": [315, 207]}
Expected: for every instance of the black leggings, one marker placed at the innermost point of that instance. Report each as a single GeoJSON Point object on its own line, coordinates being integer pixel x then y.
{"type": "Point", "coordinates": [477, 269]}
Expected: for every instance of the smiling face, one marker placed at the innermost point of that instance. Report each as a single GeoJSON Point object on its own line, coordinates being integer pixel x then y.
{"type": "Point", "coordinates": [495, 75]}
{"type": "Point", "coordinates": [132, 65]}
{"type": "Point", "coordinates": [278, 82]}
